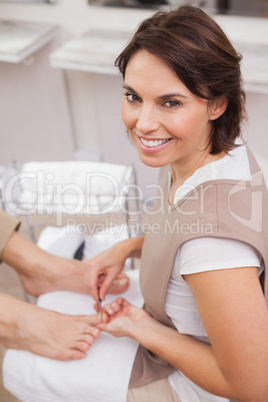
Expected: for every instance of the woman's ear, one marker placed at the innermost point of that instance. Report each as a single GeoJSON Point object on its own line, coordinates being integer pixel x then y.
{"type": "Point", "coordinates": [217, 108]}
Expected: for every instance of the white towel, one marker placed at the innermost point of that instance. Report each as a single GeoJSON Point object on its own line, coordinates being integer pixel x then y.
{"type": "Point", "coordinates": [70, 187]}
{"type": "Point", "coordinates": [106, 238]}
{"type": "Point", "coordinates": [92, 177]}
{"type": "Point", "coordinates": [60, 241]}
{"type": "Point", "coordinates": [102, 376]}
{"type": "Point", "coordinates": [64, 241]}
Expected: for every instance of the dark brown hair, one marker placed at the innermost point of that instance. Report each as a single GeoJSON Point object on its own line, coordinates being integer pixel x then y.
{"type": "Point", "coordinates": [193, 45]}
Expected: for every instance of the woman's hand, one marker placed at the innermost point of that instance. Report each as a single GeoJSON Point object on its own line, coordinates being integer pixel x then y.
{"type": "Point", "coordinates": [104, 269]}
{"type": "Point", "coordinates": [124, 319]}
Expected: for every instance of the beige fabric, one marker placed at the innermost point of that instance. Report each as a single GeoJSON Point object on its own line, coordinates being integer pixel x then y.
{"type": "Point", "coordinates": [157, 391]}
{"type": "Point", "coordinates": [219, 208]}
{"type": "Point", "coordinates": [7, 226]}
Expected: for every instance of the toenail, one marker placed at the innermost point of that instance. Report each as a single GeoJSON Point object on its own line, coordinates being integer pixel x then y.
{"type": "Point", "coordinates": [95, 332]}
{"type": "Point", "coordinates": [85, 346]}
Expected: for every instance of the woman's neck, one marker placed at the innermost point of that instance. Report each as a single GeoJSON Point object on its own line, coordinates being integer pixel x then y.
{"type": "Point", "coordinates": [183, 169]}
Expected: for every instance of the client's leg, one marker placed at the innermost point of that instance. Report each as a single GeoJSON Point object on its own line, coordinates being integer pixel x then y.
{"type": "Point", "coordinates": [63, 274]}
{"type": "Point", "coordinates": [41, 272]}
{"type": "Point", "coordinates": [43, 332]}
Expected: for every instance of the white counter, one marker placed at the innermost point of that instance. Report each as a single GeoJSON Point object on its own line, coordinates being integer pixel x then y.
{"type": "Point", "coordinates": [250, 37]}
{"type": "Point", "coordinates": [96, 50]}
{"type": "Point", "coordinates": [19, 40]}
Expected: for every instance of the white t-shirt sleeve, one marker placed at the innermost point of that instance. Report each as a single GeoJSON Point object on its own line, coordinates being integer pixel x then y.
{"type": "Point", "coordinates": [210, 253]}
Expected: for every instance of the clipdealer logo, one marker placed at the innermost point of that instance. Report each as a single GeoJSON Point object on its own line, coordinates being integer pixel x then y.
{"type": "Point", "coordinates": [254, 222]}
{"type": "Point", "coordinates": [199, 226]}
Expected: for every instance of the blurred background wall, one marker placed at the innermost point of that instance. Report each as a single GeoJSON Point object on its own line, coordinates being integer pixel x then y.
{"type": "Point", "coordinates": [53, 114]}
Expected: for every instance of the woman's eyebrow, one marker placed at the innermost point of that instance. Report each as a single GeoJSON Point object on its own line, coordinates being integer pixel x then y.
{"type": "Point", "coordinates": [170, 95]}
{"type": "Point", "coordinates": [129, 88]}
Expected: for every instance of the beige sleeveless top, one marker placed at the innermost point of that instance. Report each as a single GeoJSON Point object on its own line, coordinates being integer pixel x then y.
{"type": "Point", "coordinates": [220, 208]}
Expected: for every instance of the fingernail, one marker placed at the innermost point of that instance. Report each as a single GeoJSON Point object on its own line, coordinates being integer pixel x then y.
{"type": "Point", "coordinates": [110, 311]}
{"type": "Point", "coordinates": [95, 332]}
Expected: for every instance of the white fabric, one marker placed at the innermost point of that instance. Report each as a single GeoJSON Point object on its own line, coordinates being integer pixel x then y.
{"type": "Point", "coordinates": [106, 238]}
{"type": "Point", "coordinates": [64, 241]}
{"type": "Point", "coordinates": [102, 376]}
{"type": "Point", "coordinates": [204, 254]}
{"type": "Point", "coordinates": [60, 241]}
{"type": "Point", "coordinates": [208, 254]}
{"type": "Point", "coordinates": [71, 187]}
{"type": "Point", "coordinates": [235, 166]}
{"type": "Point", "coordinates": [93, 177]}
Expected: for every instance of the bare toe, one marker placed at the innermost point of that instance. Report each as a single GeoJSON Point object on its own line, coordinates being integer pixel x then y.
{"type": "Point", "coordinates": [120, 284]}
{"type": "Point", "coordinates": [67, 337]}
{"type": "Point", "coordinates": [77, 355]}
{"type": "Point", "coordinates": [89, 339]}
{"type": "Point", "coordinates": [83, 346]}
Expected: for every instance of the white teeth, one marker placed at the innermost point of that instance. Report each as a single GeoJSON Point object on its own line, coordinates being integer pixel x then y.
{"type": "Point", "coordinates": [154, 143]}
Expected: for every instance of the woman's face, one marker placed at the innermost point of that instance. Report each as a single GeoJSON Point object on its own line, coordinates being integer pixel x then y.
{"type": "Point", "coordinates": [166, 122]}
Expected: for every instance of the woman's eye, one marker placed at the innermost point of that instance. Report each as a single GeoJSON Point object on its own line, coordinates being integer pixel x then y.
{"type": "Point", "coordinates": [132, 97]}
{"type": "Point", "coordinates": [172, 103]}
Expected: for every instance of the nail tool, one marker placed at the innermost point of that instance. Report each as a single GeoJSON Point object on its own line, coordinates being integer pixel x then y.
{"type": "Point", "coordinates": [99, 302]}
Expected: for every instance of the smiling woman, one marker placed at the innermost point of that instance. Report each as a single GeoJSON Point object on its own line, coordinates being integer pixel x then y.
{"type": "Point", "coordinates": [205, 318]}
{"type": "Point", "coordinates": [167, 123]}
{"type": "Point", "coordinates": [203, 59]}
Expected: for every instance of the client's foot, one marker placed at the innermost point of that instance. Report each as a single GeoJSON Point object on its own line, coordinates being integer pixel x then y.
{"type": "Point", "coordinates": [41, 272]}
{"type": "Point", "coordinates": [46, 333]}
{"type": "Point", "coordinates": [63, 274]}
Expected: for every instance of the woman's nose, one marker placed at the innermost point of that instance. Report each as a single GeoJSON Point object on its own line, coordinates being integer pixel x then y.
{"type": "Point", "coordinates": [147, 120]}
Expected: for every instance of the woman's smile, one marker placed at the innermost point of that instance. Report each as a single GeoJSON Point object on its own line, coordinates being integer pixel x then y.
{"type": "Point", "coordinates": [153, 145]}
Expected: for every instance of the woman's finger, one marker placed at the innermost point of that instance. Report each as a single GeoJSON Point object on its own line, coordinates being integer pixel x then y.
{"type": "Point", "coordinates": [92, 274]}
{"type": "Point", "coordinates": [109, 278]}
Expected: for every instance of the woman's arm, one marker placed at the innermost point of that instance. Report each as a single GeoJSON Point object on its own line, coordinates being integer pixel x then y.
{"type": "Point", "coordinates": [233, 311]}
{"type": "Point", "coordinates": [110, 263]}
{"type": "Point", "coordinates": [234, 314]}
